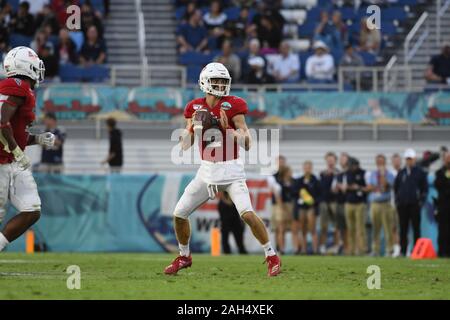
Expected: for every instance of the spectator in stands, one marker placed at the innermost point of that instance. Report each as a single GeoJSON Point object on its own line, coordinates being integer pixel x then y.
{"type": "Point", "coordinates": [41, 42]}
{"type": "Point", "coordinates": [229, 34]}
{"type": "Point", "coordinates": [88, 19]}
{"type": "Point", "coordinates": [438, 70]}
{"type": "Point", "coordinates": [243, 23]}
{"type": "Point", "coordinates": [269, 35]}
{"type": "Point", "coordinates": [369, 37]}
{"type": "Point", "coordinates": [410, 187]}
{"type": "Point", "coordinates": [23, 21]}
{"type": "Point", "coordinates": [355, 208]}
{"type": "Point", "coordinates": [320, 66]}
{"type": "Point", "coordinates": [350, 59]}
{"type": "Point", "coordinates": [256, 65]}
{"type": "Point", "coordinates": [215, 17]}
{"type": "Point", "coordinates": [307, 192]}
{"type": "Point", "coordinates": [285, 67]}
{"type": "Point", "coordinates": [190, 10]}
{"type": "Point", "coordinates": [51, 63]}
{"type": "Point", "coordinates": [52, 158]}
{"type": "Point", "coordinates": [327, 206]}
{"type": "Point", "coordinates": [115, 155]}
{"type": "Point", "coordinates": [380, 185]}
{"type": "Point", "coordinates": [230, 60]}
{"type": "Point", "coordinates": [328, 32]}
{"type": "Point", "coordinates": [230, 222]}
{"type": "Point", "coordinates": [340, 26]}
{"type": "Point", "coordinates": [66, 50]}
{"type": "Point", "coordinates": [193, 36]}
{"type": "Point", "coordinates": [442, 184]}
{"type": "Point", "coordinates": [46, 17]}
{"type": "Point", "coordinates": [93, 50]}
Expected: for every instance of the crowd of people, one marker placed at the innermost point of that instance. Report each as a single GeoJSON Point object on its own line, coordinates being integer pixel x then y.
{"type": "Point", "coordinates": [253, 47]}
{"type": "Point", "coordinates": [44, 22]}
{"type": "Point", "coordinates": [359, 204]}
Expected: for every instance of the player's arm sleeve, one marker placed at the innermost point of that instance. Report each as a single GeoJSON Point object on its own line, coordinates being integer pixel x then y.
{"type": "Point", "coordinates": [8, 108]}
{"type": "Point", "coordinates": [239, 107]}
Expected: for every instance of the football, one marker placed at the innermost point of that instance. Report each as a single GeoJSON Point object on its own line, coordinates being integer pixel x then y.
{"type": "Point", "coordinates": [203, 120]}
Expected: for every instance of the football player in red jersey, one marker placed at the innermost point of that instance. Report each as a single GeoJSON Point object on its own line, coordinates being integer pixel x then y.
{"type": "Point", "coordinates": [24, 71]}
{"type": "Point", "coordinates": [220, 169]}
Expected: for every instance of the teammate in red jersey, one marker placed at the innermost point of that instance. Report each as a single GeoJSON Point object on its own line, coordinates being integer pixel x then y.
{"type": "Point", "coordinates": [220, 169]}
{"type": "Point", "coordinates": [24, 71]}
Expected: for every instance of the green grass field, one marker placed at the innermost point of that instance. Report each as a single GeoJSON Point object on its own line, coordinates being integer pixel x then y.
{"type": "Point", "coordinates": [139, 276]}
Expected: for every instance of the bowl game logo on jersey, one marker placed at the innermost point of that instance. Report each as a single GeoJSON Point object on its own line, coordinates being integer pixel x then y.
{"type": "Point", "coordinates": [225, 105]}
{"type": "Point", "coordinates": [197, 106]}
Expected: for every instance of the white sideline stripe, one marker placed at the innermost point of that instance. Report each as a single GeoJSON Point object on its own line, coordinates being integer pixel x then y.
{"type": "Point", "coordinates": [27, 261]}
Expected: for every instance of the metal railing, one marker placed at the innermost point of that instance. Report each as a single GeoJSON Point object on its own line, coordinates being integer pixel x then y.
{"type": "Point", "coordinates": [145, 71]}
{"type": "Point", "coordinates": [141, 41]}
{"type": "Point", "coordinates": [410, 51]}
{"type": "Point", "coordinates": [441, 9]}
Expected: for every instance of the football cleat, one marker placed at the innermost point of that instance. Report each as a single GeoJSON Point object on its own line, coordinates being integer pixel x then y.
{"type": "Point", "coordinates": [179, 263]}
{"type": "Point", "coordinates": [273, 265]}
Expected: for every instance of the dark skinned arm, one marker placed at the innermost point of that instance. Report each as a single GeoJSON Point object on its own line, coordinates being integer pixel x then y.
{"type": "Point", "coordinates": [8, 110]}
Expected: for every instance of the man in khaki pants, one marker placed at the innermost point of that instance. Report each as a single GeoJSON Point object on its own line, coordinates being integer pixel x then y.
{"type": "Point", "coordinates": [355, 208]}
{"type": "Point", "coordinates": [380, 183]}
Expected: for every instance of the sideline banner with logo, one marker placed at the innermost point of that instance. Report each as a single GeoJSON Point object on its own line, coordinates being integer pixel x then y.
{"type": "Point", "coordinates": [133, 213]}
{"type": "Point", "coordinates": [81, 101]}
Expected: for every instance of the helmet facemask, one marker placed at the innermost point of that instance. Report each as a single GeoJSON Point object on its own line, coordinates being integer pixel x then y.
{"type": "Point", "coordinates": [219, 87]}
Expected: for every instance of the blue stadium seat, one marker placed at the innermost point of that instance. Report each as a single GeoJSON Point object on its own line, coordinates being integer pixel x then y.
{"type": "Point", "coordinates": [194, 58]}
{"type": "Point", "coordinates": [14, 4]}
{"type": "Point", "coordinates": [70, 73]}
{"type": "Point", "coordinates": [17, 40]}
{"type": "Point", "coordinates": [314, 14]}
{"type": "Point", "coordinates": [393, 13]}
{"type": "Point", "coordinates": [307, 28]}
{"type": "Point", "coordinates": [348, 13]}
{"type": "Point", "coordinates": [95, 73]}
{"type": "Point", "coordinates": [388, 28]}
{"type": "Point", "coordinates": [179, 12]}
{"type": "Point", "coordinates": [192, 73]}
{"type": "Point", "coordinates": [369, 58]}
{"type": "Point", "coordinates": [407, 2]}
{"type": "Point", "coordinates": [232, 13]}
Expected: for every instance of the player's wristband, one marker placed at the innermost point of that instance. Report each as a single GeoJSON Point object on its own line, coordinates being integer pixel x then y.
{"type": "Point", "coordinates": [17, 152]}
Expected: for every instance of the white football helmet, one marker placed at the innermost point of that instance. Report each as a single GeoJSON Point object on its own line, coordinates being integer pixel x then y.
{"type": "Point", "coordinates": [215, 70]}
{"type": "Point", "coordinates": [24, 61]}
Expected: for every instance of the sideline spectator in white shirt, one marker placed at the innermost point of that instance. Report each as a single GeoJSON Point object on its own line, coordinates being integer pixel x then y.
{"type": "Point", "coordinates": [286, 66]}
{"type": "Point", "coordinates": [320, 66]}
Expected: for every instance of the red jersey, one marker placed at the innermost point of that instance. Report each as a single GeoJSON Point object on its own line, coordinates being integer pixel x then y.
{"type": "Point", "coordinates": [24, 115]}
{"type": "Point", "coordinates": [232, 106]}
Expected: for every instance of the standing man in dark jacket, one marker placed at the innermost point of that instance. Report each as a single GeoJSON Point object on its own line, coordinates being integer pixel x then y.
{"type": "Point", "coordinates": [115, 155]}
{"type": "Point", "coordinates": [442, 184]}
{"type": "Point", "coordinates": [410, 189]}
{"type": "Point", "coordinates": [355, 208]}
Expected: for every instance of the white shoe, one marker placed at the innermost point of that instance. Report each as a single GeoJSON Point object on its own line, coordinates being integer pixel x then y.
{"type": "Point", "coordinates": [396, 251]}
